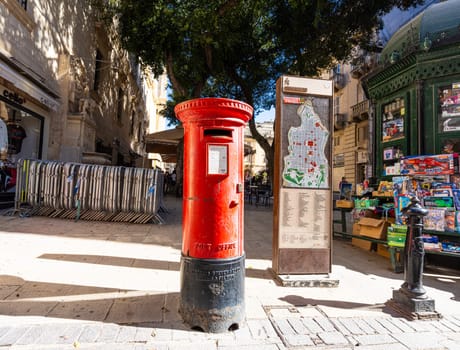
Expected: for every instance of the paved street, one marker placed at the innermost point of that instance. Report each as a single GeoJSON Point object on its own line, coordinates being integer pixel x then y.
{"type": "Point", "coordinates": [97, 285]}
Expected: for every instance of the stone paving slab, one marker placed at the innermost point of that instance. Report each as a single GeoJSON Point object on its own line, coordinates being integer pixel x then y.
{"type": "Point", "coordinates": [279, 333]}
{"type": "Point", "coordinates": [421, 341]}
{"type": "Point", "coordinates": [81, 285]}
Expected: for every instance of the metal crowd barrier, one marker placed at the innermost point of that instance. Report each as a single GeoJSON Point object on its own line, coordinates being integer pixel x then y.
{"type": "Point", "coordinates": [89, 192]}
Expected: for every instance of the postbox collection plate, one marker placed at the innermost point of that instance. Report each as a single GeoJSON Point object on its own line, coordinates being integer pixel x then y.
{"type": "Point", "coordinates": [217, 159]}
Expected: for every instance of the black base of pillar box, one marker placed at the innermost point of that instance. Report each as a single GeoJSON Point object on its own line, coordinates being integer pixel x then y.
{"type": "Point", "coordinates": [412, 307]}
{"type": "Point", "coordinates": [212, 293]}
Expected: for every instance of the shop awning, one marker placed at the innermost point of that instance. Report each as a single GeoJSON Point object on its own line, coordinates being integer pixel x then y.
{"type": "Point", "coordinates": [165, 143]}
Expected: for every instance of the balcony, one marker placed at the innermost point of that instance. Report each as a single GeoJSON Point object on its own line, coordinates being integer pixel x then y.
{"type": "Point", "coordinates": [358, 69]}
{"type": "Point", "coordinates": [360, 111]}
{"type": "Point", "coordinates": [363, 64]}
{"type": "Point", "coordinates": [340, 121]}
{"type": "Point", "coordinates": [339, 81]}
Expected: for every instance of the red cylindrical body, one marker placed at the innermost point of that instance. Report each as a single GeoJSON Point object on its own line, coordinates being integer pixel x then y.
{"type": "Point", "coordinates": [212, 261]}
{"type": "Point", "coordinates": [213, 177]}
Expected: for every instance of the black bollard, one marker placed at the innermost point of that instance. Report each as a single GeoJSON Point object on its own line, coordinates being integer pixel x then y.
{"type": "Point", "coordinates": [411, 299]}
{"type": "Point", "coordinates": [414, 251]}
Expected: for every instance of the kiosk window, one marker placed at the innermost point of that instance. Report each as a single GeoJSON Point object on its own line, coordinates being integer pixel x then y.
{"type": "Point", "coordinates": [449, 107]}
{"type": "Point", "coordinates": [393, 120]}
{"type": "Point", "coordinates": [217, 159]}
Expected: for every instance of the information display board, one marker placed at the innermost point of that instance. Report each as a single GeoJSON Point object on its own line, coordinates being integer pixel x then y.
{"type": "Point", "coordinates": [302, 177]}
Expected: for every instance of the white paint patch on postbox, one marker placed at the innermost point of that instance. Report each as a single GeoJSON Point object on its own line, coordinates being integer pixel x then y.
{"type": "Point", "coordinates": [217, 159]}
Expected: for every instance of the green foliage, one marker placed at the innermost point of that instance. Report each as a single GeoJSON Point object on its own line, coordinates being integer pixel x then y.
{"type": "Point", "coordinates": [238, 48]}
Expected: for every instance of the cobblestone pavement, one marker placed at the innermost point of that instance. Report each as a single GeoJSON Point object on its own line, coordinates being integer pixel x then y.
{"type": "Point", "coordinates": [92, 285]}
{"type": "Point", "coordinates": [294, 328]}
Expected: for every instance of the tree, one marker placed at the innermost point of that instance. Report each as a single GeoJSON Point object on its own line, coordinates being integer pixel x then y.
{"type": "Point", "coordinates": [238, 48]}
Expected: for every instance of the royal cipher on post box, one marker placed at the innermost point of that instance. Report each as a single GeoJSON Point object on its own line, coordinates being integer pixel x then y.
{"type": "Point", "coordinates": [212, 260]}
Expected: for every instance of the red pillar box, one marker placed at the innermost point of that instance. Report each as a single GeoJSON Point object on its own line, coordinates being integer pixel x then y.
{"type": "Point", "coordinates": [212, 262]}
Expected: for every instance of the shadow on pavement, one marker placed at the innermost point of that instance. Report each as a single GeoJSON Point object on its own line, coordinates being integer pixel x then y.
{"type": "Point", "coordinates": [297, 300]}
{"type": "Point", "coordinates": [53, 300]}
{"type": "Point", "coordinates": [138, 263]}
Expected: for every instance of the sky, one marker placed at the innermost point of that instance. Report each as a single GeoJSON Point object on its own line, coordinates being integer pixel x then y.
{"type": "Point", "coordinates": [266, 116]}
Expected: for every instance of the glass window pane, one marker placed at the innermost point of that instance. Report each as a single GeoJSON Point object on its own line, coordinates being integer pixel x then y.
{"type": "Point", "coordinates": [449, 107]}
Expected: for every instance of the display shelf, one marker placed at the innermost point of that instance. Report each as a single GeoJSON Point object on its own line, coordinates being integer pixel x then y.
{"type": "Point", "coordinates": [441, 252]}
{"type": "Point", "coordinates": [442, 233]}
{"type": "Point", "coordinates": [422, 185]}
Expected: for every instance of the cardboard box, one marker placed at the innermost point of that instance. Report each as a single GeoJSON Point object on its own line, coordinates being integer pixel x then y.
{"type": "Point", "coordinates": [361, 243]}
{"type": "Point", "coordinates": [382, 193]}
{"type": "Point", "coordinates": [439, 164]}
{"type": "Point", "coordinates": [356, 228]}
{"type": "Point", "coordinates": [383, 251]}
{"type": "Point", "coordinates": [374, 228]}
{"type": "Point", "coordinates": [342, 203]}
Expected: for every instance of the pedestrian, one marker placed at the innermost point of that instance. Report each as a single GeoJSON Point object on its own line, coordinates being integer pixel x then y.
{"type": "Point", "coordinates": [343, 188]}
{"type": "Point", "coordinates": [167, 182]}
{"type": "Point", "coordinates": [173, 178]}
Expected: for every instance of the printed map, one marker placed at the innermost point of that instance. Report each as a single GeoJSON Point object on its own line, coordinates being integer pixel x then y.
{"type": "Point", "coordinates": [307, 164]}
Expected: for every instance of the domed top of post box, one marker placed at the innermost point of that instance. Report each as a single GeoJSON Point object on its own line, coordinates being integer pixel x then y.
{"type": "Point", "coordinates": [213, 108]}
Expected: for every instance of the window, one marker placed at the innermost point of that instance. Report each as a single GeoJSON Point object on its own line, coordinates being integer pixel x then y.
{"type": "Point", "coordinates": [18, 9]}
{"type": "Point", "coordinates": [362, 133]}
{"type": "Point", "coordinates": [120, 104]}
{"type": "Point", "coordinates": [337, 69]}
{"type": "Point", "coordinates": [23, 4]}
{"type": "Point", "coordinates": [339, 160]}
{"type": "Point", "coordinates": [393, 120]}
{"type": "Point", "coordinates": [337, 141]}
{"type": "Point", "coordinates": [139, 132]}
{"type": "Point", "coordinates": [97, 70]}
{"type": "Point", "coordinates": [337, 105]}
{"type": "Point", "coordinates": [131, 126]}
{"type": "Point", "coordinates": [449, 107]}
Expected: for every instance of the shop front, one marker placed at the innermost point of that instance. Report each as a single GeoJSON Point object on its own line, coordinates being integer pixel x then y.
{"type": "Point", "coordinates": [25, 110]}
{"type": "Point", "coordinates": [22, 136]}
{"type": "Point", "coordinates": [416, 90]}
{"type": "Point", "coordinates": [416, 95]}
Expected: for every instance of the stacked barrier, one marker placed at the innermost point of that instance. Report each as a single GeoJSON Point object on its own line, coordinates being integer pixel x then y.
{"type": "Point", "coordinates": [89, 192]}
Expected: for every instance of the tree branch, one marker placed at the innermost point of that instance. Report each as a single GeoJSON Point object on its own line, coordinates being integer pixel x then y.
{"type": "Point", "coordinates": [172, 77]}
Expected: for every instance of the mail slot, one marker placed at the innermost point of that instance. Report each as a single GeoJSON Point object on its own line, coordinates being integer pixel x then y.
{"type": "Point", "coordinates": [212, 259]}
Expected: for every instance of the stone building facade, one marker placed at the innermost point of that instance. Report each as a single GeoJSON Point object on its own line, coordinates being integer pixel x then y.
{"type": "Point", "coordinates": [255, 160]}
{"type": "Point", "coordinates": [354, 142]}
{"type": "Point", "coordinates": [351, 123]}
{"type": "Point", "coordinates": [68, 89]}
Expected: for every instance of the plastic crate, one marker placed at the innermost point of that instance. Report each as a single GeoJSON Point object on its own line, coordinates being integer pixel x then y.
{"type": "Point", "coordinates": [398, 228]}
{"type": "Point", "coordinates": [366, 203]}
{"type": "Point", "coordinates": [395, 239]}
{"type": "Point", "coordinates": [452, 247]}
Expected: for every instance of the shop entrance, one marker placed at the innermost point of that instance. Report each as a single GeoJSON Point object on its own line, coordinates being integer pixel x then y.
{"type": "Point", "coordinates": [24, 130]}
